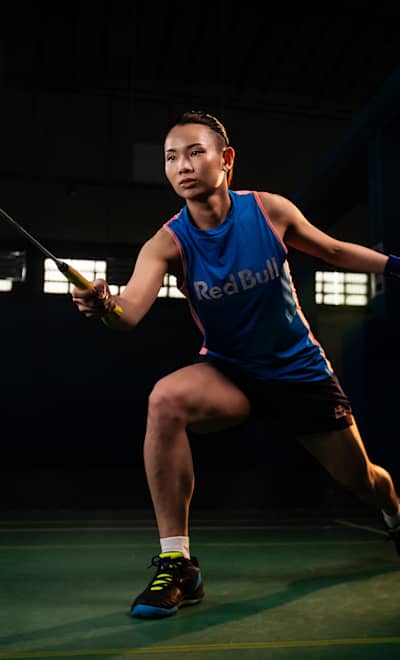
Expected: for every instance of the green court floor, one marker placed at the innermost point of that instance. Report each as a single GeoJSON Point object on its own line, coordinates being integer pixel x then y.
{"type": "Point", "coordinates": [281, 589]}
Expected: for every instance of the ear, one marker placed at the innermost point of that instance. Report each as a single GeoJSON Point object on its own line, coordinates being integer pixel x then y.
{"type": "Point", "coordinates": [229, 157]}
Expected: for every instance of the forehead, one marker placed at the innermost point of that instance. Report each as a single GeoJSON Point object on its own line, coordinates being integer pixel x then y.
{"type": "Point", "coordinates": [180, 137]}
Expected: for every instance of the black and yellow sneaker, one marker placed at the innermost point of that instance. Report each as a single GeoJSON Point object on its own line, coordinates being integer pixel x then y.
{"type": "Point", "coordinates": [393, 534]}
{"type": "Point", "coordinates": [177, 582]}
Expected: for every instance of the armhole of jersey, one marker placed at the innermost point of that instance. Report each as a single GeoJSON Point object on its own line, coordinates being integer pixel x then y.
{"type": "Point", "coordinates": [178, 244]}
{"type": "Point", "coordinates": [304, 320]}
{"type": "Point", "coordinates": [184, 288]}
{"type": "Point", "coordinates": [271, 226]}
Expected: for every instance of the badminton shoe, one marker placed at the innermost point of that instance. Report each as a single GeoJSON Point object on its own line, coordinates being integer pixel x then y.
{"type": "Point", "coordinates": [393, 534]}
{"type": "Point", "coordinates": [177, 582]}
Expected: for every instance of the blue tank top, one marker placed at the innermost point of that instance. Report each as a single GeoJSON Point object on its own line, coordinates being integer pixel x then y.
{"type": "Point", "coordinates": [239, 287]}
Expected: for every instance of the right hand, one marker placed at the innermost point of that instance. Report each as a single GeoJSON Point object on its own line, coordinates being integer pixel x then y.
{"type": "Point", "coordinates": [94, 302]}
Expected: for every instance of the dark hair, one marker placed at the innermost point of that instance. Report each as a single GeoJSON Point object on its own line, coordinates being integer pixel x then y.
{"type": "Point", "coordinates": [202, 117]}
{"type": "Point", "coordinates": [205, 118]}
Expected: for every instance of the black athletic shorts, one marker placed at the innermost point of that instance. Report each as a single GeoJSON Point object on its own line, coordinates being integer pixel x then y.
{"type": "Point", "coordinates": [305, 407]}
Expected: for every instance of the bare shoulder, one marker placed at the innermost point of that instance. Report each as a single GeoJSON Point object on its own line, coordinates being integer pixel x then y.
{"type": "Point", "coordinates": [280, 210]}
{"type": "Point", "coordinates": [162, 246]}
{"type": "Point", "coordinates": [276, 205]}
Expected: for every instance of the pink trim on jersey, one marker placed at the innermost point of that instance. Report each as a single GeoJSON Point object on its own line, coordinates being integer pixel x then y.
{"type": "Point", "coordinates": [312, 337]}
{"type": "Point", "coordinates": [263, 211]}
{"type": "Point", "coordinates": [183, 288]}
{"type": "Point", "coordinates": [196, 319]}
{"type": "Point", "coordinates": [177, 242]}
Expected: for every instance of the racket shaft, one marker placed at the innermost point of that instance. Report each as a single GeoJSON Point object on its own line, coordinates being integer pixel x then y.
{"type": "Point", "coordinates": [77, 279]}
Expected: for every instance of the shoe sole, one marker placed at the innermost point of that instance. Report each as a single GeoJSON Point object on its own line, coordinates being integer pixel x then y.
{"type": "Point", "coordinates": [151, 612]}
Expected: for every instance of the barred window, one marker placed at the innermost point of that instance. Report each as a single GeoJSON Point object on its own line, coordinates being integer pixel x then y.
{"type": "Point", "coordinates": [91, 269]}
{"type": "Point", "coordinates": [169, 288]}
{"type": "Point", "coordinates": [56, 282]}
{"type": "Point", "coordinates": [340, 288]}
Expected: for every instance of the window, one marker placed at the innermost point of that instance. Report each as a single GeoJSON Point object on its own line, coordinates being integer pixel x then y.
{"type": "Point", "coordinates": [5, 285]}
{"type": "Point", "coordinates": [338, 288]}
{"type": "Point", "coordinates": [91, 269]}
{"type": "Point", "coordinates": [169, 288]}
{"type": "Point", "coordinates": [56, 282]}
{"type": "Point", "coordinates": [12, 268]}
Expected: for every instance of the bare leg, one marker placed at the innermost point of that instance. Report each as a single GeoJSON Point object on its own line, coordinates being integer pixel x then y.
{"type": "Point", "coordinates": [344, 456]}
{"type": "Point", "coordinates": [198, 396]}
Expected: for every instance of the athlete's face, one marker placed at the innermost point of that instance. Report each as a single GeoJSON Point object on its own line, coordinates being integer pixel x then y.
{"type": "Point", "coordinates": [195, 161]}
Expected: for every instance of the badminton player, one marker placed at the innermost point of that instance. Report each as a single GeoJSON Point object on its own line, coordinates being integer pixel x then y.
{"type": "Point", "coordinates": [228, 250]}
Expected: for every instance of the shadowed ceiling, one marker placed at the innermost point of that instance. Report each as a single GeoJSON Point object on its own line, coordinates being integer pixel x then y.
{"type": "Point", "coordinates": [210, 55]}
{"type": "Point", "coordinates": [210, 51]}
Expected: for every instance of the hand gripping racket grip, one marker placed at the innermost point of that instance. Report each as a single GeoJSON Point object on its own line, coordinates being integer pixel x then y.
{"type": "Point", "coordinates": [81, 282]}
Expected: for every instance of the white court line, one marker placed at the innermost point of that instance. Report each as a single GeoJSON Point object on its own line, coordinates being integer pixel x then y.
{"type": "Point", "coordinates": [347, 523]}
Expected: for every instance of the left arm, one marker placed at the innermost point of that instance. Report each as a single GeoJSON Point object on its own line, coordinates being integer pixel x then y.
{"type": "Point", "coordinates": [299, 233]}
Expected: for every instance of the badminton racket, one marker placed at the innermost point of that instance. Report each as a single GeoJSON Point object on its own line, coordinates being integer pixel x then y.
{"type": "Point", "coordinates": [72, 275]}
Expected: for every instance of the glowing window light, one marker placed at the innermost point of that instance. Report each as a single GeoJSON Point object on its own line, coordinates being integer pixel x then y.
{"type": "Point", "coordinates": [91, 269]}
{"type": "Point", "coordinates": [55, 281]}
{"type": "Point", "coordinates": [5, 285]}
{"type": "Point", "coordinates": [341, 289]}
{"type": "Point", "coordinates": [333, 299]}
{"type": "Point", "coordinates": [355, 288]}
{"type": "Point", "coordinates": [169, 288]}
{"type": "Point", "coordinates": [356, 277]}
{"type": "Point", "coordinates": [333, 287]}
{"type": "Point", "coordinates": [360, 301]}
{"type": "Point", "coordinates": [116, 289]}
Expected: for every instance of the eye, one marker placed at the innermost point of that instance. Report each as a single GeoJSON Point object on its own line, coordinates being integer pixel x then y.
{"type": "Point", "coordinates": [170, 157]}
{"type": "Point", "coordinates": [196, 152]}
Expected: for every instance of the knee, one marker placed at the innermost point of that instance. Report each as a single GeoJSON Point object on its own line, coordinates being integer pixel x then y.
{"type": "Point", "coordinates": [167, 401]}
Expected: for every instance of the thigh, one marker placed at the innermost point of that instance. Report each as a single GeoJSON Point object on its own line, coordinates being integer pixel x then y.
{"type": "Point", "coordinates": [341, 452]}
{"type": "Point", "coordinates": [209, 400]}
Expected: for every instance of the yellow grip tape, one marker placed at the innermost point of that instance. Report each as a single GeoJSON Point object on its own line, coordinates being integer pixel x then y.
{"type": "Point", "coordinates": [78, 280]}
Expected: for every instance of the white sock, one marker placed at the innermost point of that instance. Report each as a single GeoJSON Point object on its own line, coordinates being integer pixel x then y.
{"type": "Point", "coordinates": [391, 521]}
{"type": "Point", "coordinates": [176, 544]}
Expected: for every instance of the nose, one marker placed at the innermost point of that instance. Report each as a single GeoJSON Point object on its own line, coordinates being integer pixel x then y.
{"type": "Point", "coordinates": [184, 164]}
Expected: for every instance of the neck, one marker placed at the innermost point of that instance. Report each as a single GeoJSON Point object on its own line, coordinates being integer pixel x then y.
{"type": "Point", "coordinates": [211, 212]}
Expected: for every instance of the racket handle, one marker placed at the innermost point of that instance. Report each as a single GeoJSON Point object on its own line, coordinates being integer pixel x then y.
{"type": "Point", "coordinates": [78, 280]}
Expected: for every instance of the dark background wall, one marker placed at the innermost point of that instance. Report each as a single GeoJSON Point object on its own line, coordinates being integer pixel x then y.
{"type": "Point", "coordinates": [311, 107]}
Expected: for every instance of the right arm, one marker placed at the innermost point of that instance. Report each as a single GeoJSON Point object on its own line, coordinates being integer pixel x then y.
{"type": "Point", "coordinates": [141, 290]}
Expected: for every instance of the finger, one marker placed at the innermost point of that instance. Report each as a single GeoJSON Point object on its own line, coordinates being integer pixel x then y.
{"type": "Point", "coordinates": [84, 295]}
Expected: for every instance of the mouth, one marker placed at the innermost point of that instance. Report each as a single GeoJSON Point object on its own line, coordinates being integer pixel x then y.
{"type": "Point", "coordinates": [187, 183]}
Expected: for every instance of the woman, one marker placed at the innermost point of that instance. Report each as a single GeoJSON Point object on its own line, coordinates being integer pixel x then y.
{"type": "Point", "coordinates": [229, 252]}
